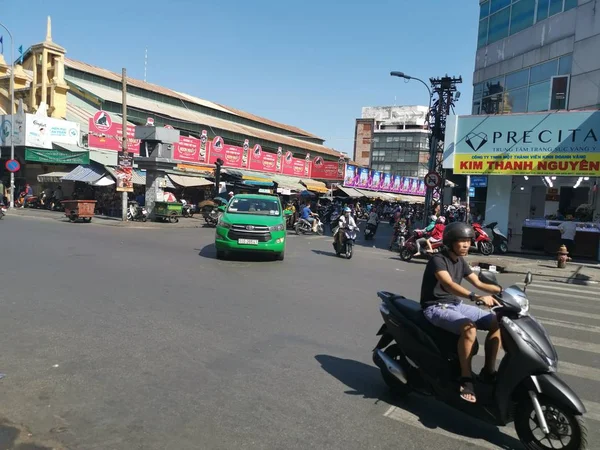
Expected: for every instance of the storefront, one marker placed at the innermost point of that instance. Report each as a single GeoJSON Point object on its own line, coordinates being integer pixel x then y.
{"type": "Point", "coordinates": [541, 170]}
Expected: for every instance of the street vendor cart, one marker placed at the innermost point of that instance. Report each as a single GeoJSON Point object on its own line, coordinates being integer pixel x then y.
{"type": "Point", "coordinates": [168, 211]}
{"type": "Point", "coordinates": [79, 209]}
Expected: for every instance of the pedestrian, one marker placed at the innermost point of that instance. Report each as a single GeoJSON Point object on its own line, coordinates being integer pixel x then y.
{"type": "Point", "coordinates": [568, 229]}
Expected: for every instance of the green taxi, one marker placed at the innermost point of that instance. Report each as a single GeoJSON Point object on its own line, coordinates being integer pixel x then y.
{"type": "Point", "coordinates": [251, 223]}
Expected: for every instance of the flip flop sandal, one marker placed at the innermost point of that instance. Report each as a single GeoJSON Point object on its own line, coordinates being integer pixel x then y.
{"type": "Point", "coordinates": [466, 388]}
{"type": "Point", "coordinates": [487, 377]}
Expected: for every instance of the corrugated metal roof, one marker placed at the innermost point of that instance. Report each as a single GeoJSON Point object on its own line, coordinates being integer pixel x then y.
{"type": "Point", "coordinates": [186, 115]}
{"type": "Point", "coordinates": [86, 174]}
{"type": "Point", "coordinates": [84, 67]}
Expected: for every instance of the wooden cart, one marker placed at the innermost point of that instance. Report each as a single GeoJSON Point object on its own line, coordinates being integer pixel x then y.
{"type": "Point", "coordinates": [79, 209]}
{"type": "Point", "coordinates": [168, 211]}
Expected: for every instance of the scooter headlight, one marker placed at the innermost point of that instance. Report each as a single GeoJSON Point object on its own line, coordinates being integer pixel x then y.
{"type": "Point", "coordinates": [523, 302]}
{"type": "Point", "coordinates": [552, 363]}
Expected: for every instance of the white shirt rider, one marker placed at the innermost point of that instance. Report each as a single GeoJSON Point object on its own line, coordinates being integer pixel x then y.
{"type": "Point", "coordinates": [343, 221]}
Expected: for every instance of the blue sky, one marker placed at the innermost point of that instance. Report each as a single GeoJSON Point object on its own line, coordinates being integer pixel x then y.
{"type": "Point", "coordinates": [312, 64]}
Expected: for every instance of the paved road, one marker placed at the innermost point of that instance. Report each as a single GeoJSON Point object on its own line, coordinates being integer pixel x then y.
{"type": "Point", "coordinates": [140, 339]}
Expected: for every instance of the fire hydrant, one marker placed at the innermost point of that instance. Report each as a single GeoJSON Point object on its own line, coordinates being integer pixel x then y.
{"type": "Point", "coordinates": [562, 257]}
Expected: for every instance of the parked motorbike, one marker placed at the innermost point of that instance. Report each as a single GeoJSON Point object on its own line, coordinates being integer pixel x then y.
{"type": "Point", "coordinates": [482, 242]}
{"type": "Point", "coordinates": [2, 211]}
{"type": "Point", "coordinates": [188, 210]}
{"type": "Point", "coordinates": [55, 205]}
{"type": "Point", "coordinates": [409, 246]}
{"type": "Point", "coordinates": [499, 240]}
{"type": "Point", "coordinates": [370, 231]}
{"type": "Point", "coordinates": [135, 212]}
{"type": "Point", "coordinates": [303, 226]}
{"type": "Point", "coordinates": [348, 240]}
{"type": "Point", "coordinates": [423, 359]}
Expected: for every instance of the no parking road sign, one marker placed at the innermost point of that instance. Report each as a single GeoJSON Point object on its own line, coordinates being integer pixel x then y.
{"type": "Point", "coordinates": [433, 180]}
{"type": "Point", "coordinates": [12, 165]}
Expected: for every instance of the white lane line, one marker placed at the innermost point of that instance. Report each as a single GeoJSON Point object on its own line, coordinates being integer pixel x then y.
{"type": "Point", "coordinates": [564, 287]}
{"type": "Point", "coordinates": [563, 295]}
{"type": "Point", "coordinates": [593, 410]}
{"type": "Point", "coordinates": [566, 312]}
{"type": "Point", "coordinates": [408, 418]}
{"type": "Point", "coordinates": [575, 370]}
{"type": "Point", "coordinates": [570, 325]}
{"type": "Point", "coordinates": [575, 345]}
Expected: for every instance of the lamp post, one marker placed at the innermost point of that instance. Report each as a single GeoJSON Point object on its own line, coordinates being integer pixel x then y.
{"type": "Point", "coordinates": [432, 143]}
{"type": "Point", "coordinates": [12, 115]}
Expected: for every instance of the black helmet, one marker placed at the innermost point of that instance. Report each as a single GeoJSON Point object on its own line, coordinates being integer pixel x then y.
{"type": "Point", "coordinates": [456, 231]}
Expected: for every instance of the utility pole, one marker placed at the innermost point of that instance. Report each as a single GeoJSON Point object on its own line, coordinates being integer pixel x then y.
{"type": "Point", "coordinates": [442, 101]}
{"type": "Point", "coordinates": [124, 147]}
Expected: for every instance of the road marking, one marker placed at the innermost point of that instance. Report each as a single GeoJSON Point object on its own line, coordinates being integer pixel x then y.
{"type": "Point", "coordinates": [408, 418]}
{"type": "Point", "coordinates": [576, 345]}
{"type": "Point", "coordinates": [563, 295]}
{"type": "Point", "coordinates": [564, 287]}
{"type": "Point", "coordinates": [567, 312]}
{"type": "Point", "coordinates": [575, 370]}
{"type": "Point", "coordinates": [570, 325]}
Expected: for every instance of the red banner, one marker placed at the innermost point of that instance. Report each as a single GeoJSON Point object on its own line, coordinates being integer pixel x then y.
{"type": "Point", "coordinates": [107, 135]}
{"type": "Point", "coordinates": [293, 166]}
{"type": "Point", "coordinates": [264, 161]}
{"type": "Point", "coordinates": [327, 170]}
{"type": "Point", "coordinates": [231, 155]}
{"type": "Point", "coordinates": [187, 149]}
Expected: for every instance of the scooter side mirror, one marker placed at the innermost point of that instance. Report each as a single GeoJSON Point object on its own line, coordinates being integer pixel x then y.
{"type": "Point", "coordinates": [485, 276]}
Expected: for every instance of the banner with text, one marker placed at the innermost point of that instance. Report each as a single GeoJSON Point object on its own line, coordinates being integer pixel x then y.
{"type": "Point", "coordinates": [107, 135]}
{"type": "Point", "coordinates": [293, 166]}
{"type": "Point", "coordinates": [327, 170]}
{"type": "Point", "coordinates": [264, 161]}
{"type": "Point", "coordinates": [556, 143]}
{"type": "Point", "coordinates": [364, 178]}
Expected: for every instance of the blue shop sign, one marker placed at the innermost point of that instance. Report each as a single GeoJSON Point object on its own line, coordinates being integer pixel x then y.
{"type": "Point", "coordinates": [479, 181]}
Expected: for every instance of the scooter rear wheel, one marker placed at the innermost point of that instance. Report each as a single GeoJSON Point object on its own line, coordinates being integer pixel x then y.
{"type": "Point", "coordinates": [405, 254]}
{"type": "Point", "coordinates": [567, 431]}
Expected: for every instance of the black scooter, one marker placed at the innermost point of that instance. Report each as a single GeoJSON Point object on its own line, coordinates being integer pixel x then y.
{"type": "Point", "coordinates": [423, 359]}
{"type": "Point", "coordinates": [498, 239]}
{"type": "Point", "coordinates": [370, 231]}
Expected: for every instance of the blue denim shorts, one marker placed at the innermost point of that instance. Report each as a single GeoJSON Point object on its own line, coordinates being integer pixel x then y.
{"type": "Point", "coordinates": [452, 317]}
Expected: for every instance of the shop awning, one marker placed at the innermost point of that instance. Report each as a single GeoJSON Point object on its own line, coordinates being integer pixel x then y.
{"type": "Point", "coordinates": [104, 181]}
{"type": "Point", "coordinates": [60, 156]}
{"type": "Point", "coordinates": [410, 198]}
{"type": "Point", "coordinates": [315, 186]}
{"type": "Point", "coordinates": [289, 183]}
{"type": "Point", "coordinates": [137, 176]}
{"type": "Point", "coordinates": [350, 192]}
{"type": "Point", "coordinates": [85, 174]}
{"type": "Point", "coordinates": [186, 181]}
{"type": "Point", "coordinates": [52, 177]}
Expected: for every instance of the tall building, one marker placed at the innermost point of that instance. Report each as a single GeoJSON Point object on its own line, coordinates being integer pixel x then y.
{"type": "Point", "coordinates": [393, 139]}
{"type": "Point", "coordinates": [537, 55]}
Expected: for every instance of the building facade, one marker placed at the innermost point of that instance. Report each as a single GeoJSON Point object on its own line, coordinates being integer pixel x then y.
{"type": "Point", "coordinates": [537, 55]}
{"type": "Point", "coordinates": [393, 139]}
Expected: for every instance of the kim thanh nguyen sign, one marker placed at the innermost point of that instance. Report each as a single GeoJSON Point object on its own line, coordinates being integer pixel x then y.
{"type": "Point", "coordinates": [551, 143]}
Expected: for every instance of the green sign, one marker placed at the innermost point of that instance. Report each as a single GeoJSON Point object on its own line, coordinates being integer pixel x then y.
{"type": "Point", "coordinates": [56, 156]}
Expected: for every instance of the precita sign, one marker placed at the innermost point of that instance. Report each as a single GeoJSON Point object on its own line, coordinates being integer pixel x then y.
{"type": "Point", "coordinates": [565, 143]}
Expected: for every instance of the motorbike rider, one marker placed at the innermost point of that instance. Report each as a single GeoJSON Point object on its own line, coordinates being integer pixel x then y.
{"type": "Point", "coordinates": [309, 216]}
{"type": "Point", "coordinates": [345, 221]}
{"type": "Point", "coordinates": [373, 219]}
{"type": "Point", "coordinates": [422, 241]}
{"type": "Point", "coordinates": [440, 300]}
{"type": "Point", "coordinates": [437, 233]}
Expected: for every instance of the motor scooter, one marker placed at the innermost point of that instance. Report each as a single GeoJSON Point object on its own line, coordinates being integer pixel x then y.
{"type": "Point", "coordinates": [188, 210]}
{"type": "Point", "coordinates": [409, 246]}
{"type": "Point", "coordinates": [135, 212]}
{"type": "Point", "coordinates": [348, 240]}
{"type": "Point", "coordinates": [370, 231]}
{"type": "Point", "coordinates": [415, 356]}
{"type": "Point", "coordinates": [303, 226]}
{"type": "Point", "coordinates": [499, 240]}
{"type": "Point", "coordinates": [482, 241]}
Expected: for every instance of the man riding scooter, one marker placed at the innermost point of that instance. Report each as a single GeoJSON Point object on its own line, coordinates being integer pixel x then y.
{"type": "Point", "coordinates": [308, 215]}
{"type": "Point", "coordinates": [440, 300]}
{"type": "Point", "coordinates": [372, 223]}
{"type": "Point", "coordinates": [346, 221]}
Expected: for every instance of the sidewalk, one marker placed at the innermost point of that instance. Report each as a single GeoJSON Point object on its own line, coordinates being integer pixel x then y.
{"type": "Point", "coordinates": [42, 214]}
{"type": "Point", "coordinates": [576, 272]}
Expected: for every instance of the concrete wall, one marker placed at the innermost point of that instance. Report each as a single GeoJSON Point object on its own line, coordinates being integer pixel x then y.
{"type": "Point", "coordinates": [363, 134]}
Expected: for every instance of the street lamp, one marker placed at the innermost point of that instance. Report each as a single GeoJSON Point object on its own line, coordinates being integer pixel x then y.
{"type": "Point", "coordinates": [12, 115]}
{"type": "Point", "coordinates": [408, 77]}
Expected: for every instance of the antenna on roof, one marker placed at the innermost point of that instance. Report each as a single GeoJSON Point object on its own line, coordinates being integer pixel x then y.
{"type": "Point", "coordinates": [145, 64]}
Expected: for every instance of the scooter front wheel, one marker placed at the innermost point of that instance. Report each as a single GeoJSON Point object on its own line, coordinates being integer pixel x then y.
{"type": "Point", "coordinates": [503, 247]}
{"type": "Point", "coordinates": [567, 430]}
{"type": "Point", "coordinates": [405, 254]}
{"type": "Point", "coordinates": [486, 248]}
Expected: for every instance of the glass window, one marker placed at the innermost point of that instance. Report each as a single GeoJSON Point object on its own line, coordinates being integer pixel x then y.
{"type": "Point", "coordinates": [564, 64]}
{"type": "Point", "coordinates": [497, 5]}
{"type": "Point", "coordinates": [409, 138]}
{"type": "Point", "coordinates": [494, 86]}
{"type": "Point", "coordinates": [478, 90]}
{"type": "Point", "coordinates": [555, 7]}
{"type": "Point", "coordinates": [483, 33]}
{"type": "Point", "coordinates": [498, 28]}
{"type": "Point", "coordinates": [389, 139]}
{"type": "Point", "coordinates": [491, 105]}
{"type": "Point", "coordinates": [484, 9]}
{"type": "Point", "coordinates": [544, 71]}
{"type": "Point", "coordinates": [559, 94]}
{"type": "Point", "coordinates": [570, 4]}
{"type": "Point", "coordinates": [539, 97]}
{"type": "Point", "coordinates": [517, 79]}
{"type": "Point", "coordinates": [516, 101]}
{"type": "Point", "coordinates": [396, 138]}
{"type": "Point", "coordinates": [521, 15]}
{"type": "Point", "coordinates": [542, 9]}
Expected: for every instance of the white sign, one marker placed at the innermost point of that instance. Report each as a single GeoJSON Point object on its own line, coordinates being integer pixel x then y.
{"type": "Point", "coordinates": [37, 131]}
